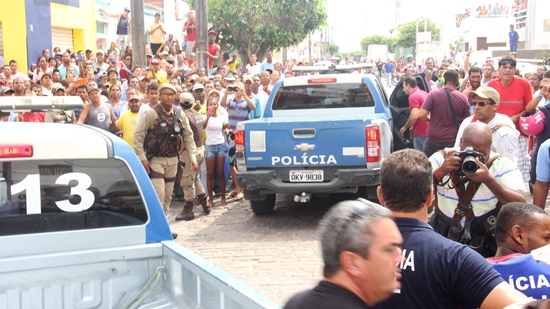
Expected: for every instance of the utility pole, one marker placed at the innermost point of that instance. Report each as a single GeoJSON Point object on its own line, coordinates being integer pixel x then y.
{"type": "Point", "coordinates": [138, 34]}
{"type": "Point", "coordinates": [202, 33]}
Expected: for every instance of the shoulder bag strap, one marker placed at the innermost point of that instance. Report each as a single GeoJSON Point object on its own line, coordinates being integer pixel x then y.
{"type": "Point", "coordinates": [452, 108]}
{"type": "Point", "coordinates": [464, 207]}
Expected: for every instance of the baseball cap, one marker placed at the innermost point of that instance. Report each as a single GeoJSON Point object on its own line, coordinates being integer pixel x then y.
{"type": "Point", "coordinates": [198, 86]}
{"type": "Point", "coordinates": [100, 51]}
{"type": "Point", "coordinates": [164, 53]}
{"type": "Point", "coordinates": [191, 14]}
{"type": "Point", "coordinates": [229, 76]}
{"type": "Point", "coordinates": [93, 88]}
{"type": "Point", "coordinates": [112, 70]}
{"type": "Point", "coordinates": [127, 9]}
{"type": "Point", "coordinates": [5, 90]}
{"type": "Point", "coordinates": [57, 86]}
{"type": "Point", "coordinates": [186, 99]}
{"type": "Point", "coordinates": [155, 61]}
{"type": "Point", "coordinates": [213, 32]}
{"type": "Point", "coordinates": [144, 78]}
{"type": "Point", "coordinates": [100, 85]}
{"type": "Point", "coordinates": [194, 77]}
{"type": "Point", "coordinates": [248, 77]}
{"type": "Point", "coordinates": [486, 93]}
{"type": "Point", "coordinates": [46, 73]}
{"type": "Point", "coordinates": [133, 97]}
{"type": "Point", "coordinates": [167, 86]}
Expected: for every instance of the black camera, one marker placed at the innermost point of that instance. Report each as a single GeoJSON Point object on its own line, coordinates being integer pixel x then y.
{"type": "Point", "coordinates": [468, 157]}
{"type": "Point", "coordinates": [233, 88]}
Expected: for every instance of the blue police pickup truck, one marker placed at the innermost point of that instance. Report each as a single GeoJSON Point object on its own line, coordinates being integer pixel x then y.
{"type": "Point", "coordinates": [82, 227]}
{"type": "Point", "coordinates": [321, 134]}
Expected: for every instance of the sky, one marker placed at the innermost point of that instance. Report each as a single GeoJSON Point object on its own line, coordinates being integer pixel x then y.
{"type": "Point", "coordinates": [352, 20]}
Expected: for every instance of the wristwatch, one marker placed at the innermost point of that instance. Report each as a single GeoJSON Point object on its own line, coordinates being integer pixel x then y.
{"type": "Point", "coordinates": [540, 97]}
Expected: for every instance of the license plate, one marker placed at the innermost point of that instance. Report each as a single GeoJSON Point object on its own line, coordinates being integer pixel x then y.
{"type": "Point", "coordinates": [306, 176]}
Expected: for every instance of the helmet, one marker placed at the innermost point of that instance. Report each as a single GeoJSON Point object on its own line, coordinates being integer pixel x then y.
{"type": "Point", "coordinates": [532, 125]}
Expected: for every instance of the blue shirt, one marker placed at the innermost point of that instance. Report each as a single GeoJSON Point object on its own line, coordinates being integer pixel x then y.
{"type": "Point", "coordinates": [543, 162]}
{"type": "Point", "coordinates": [257, 113]}
{"type": "Point", "coordinates": [513, 37]}
{"type": "Point", "coordinates": [266, 66]}
{"type": "Point", "coordinates": [438, 272]}
{"type": "Point", "coordinates": [389, 67]}
{"type": "Point", "coordinates": [526, 275]}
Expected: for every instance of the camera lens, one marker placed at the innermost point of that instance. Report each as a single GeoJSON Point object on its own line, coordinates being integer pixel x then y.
{"type": "Point", "coordinates": [469, 165]}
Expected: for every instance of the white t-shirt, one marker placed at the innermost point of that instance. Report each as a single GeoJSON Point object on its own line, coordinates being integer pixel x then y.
{"type": "Point", "coordinates": [253, 69]}
{"type": "Point", "coordinates": [505, 139]}
{"type": "Point", "coordinates": [214, 130]}
{"type": "Point", "coordinates": [142, 109]}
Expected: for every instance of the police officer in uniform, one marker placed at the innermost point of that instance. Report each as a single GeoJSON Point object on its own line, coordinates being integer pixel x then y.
{"type": "Point", "coordinates": [190, 180]}
{"type": "Point", "coordinates": [158, 141]}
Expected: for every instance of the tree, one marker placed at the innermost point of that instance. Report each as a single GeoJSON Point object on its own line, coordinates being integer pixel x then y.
{"type": "Point", "coordinates": [258, 26]}
{"type": "Point", "coordinates": [333, 49]}
{"type": "Point", "coordinates": [407, 33]}
{"type": "Point", "coordinates": [377, 39]}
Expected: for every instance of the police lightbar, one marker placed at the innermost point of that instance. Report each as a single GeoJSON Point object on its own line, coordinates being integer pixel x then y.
{"type": "Point", "coordinates": [332, 68]}
{"type": "Point", "coordinates": [19, 104]}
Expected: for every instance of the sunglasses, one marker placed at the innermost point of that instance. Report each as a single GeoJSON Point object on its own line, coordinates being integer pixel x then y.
{"type": "Point", "coordinates": [506, 62]}
{"type": "Point", "coordinates": [482, 104]}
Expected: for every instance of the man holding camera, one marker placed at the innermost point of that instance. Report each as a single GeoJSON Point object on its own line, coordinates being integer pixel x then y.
{"type": "Point", "coordinates": [472, 185]}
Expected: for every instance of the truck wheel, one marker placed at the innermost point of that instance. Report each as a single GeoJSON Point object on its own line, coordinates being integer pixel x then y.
{"type": "Point", "coordinates": [262, 207]}
{"type": "Point", "coordinates": [369, 193]}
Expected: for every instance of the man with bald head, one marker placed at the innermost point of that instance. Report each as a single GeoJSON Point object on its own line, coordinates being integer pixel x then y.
{"type": "Point", "coordinates": [467, 205]}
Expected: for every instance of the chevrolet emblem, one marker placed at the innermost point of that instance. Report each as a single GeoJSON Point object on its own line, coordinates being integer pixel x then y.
{"type": "Point", "coordinates": [304, 147]}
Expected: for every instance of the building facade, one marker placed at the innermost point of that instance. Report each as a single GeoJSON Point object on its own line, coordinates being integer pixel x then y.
{"type": "Point", "coordinates": [29, 26]}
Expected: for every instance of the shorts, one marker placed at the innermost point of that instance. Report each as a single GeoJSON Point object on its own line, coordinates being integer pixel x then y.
{"type": "Point", "coordinates": [215, 151]}
{"type": "Point", "coordinates": [513, 48]}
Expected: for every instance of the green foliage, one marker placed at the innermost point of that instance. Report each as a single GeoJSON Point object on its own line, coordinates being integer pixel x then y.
{"type": "Point", "coordinates": [333, 48]}
{"type": "Point", "coordinates": [407, 33]}
{"type": "Point", "coordinates": [257, 26]}
{"type": "Point", "coordinates": [377, 39]}
{"type": "Point", "coordinates": [355, 54]}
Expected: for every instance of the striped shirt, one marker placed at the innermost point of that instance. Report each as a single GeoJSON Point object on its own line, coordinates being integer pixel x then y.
{"type": "Point", "coordinates": [503, 170]}
{"type": "Point", "coordinates": [238, 111]}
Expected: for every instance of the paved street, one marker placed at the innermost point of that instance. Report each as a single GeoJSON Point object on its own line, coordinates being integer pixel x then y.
{"type": "Point", "coordinates": [277, 254]}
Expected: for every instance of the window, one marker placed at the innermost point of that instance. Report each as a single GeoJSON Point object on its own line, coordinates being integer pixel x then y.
{"type": "Point", "coordinates": [40, 196]}
{"type": "Point", "coordinates": [323, 96]}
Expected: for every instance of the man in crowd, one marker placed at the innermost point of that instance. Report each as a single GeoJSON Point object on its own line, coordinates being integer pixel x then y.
{"type": "Point", "coordinates": [505, 141]}
{"type": "Point", "coordinates": [66, 59]}
{"type": "Point", "coordinates": [388, 68]}
{"type": "Point", "coordinates": [480, 191]}
{"type": "Point", "coordinates": [487, 72]}
{"type": "Point", "coordinates": [473, 81]}
{"type": "Point", "coordinates": [416, 99]}
{"type": "Point", "coordinates": [157, 141]}
{"type": "Point", "coordinates": [13, 71]}
{"type": "Point", "coordinates": [190, 179]}
{"type": "Point", "coordinates": [156, 32]}
{"type": "Point", "coordinates": [190, 27]}
{"type": "Point", "coordinates": [437, 272]}
{"type": "Point", "coordinates": [515, 95]}
{"type": "Point", "coordinates": [253, 67]}
{"type": "Point", "coordinates": [127, 122]}
{"type": "Point", "coordinates": [123, 28]}
{"type": "Point", "coordinates": [126, 69]}
{"type": "Point", "coordinates": [268, 63]}
{"type": "Point", "coordinates": [152, 92]}
{"type": "Point", "coordinates": [522, 229]}
{"type": "Point", "coordinates": [514, 39]}
{"type": "Point", "coordinates": [540, 191]}
{"type": "Point", "coordinates": [100, 66]}
{"type": "Point", "coordinates": [157, 72]}
{"type": "Point", "coordinates": [213, 52]}
{"type": "Point", "coordinates": [447, 108]}
{"type": "Point", "coordinates": [97, 113]}
{"type": "Point", "coordinates": [361, 248]}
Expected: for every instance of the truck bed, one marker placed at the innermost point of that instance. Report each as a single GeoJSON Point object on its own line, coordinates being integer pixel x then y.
{"type": "Point", "coordinates": [110, 278]}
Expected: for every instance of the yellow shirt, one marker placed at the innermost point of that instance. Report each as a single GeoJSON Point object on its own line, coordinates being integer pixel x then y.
{"type": "Point", "coordinates": [160, 75]}
{"type": "Point", "coordinates": [127, 123]}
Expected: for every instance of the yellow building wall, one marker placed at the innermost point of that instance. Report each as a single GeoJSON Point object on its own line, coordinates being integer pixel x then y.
{"type": "Point", "coordinates": [81, 20]}
{"type": "Point", "coordinates": [14, 31]}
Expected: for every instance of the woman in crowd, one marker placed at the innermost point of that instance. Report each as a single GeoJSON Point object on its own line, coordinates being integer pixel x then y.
{"type": "Point", "coordinates": [215, 124]}
{"type": "Point", "coordinates": [41, 68]}
{"type": "Point", "coordinates": [114, 99]}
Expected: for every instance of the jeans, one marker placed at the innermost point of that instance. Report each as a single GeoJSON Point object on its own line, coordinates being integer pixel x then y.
{"type": "Point", "coordinates": [419, 142]}
{"type": "Point", "coordinates": [388, 79]}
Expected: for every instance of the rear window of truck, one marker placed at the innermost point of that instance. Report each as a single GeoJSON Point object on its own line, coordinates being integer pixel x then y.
{"type": "Point", "coordinates": [317, 96]}
{"type": "Point", "coordinates": [39, 196]}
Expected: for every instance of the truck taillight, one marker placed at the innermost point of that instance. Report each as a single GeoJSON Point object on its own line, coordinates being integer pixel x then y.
{"type": "Point", "coordinates": [15, 151]}
{"type": "Point", "coordinates": [239, 138]}
{"type": "Point", "coordinates": [373, 143]}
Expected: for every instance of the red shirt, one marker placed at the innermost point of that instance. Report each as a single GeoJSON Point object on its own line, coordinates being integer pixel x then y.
{"type": "Point", "coordinates": [416, 99]}
{"type": "Point", "coordinates": [33, 117]}
{"type": "Point", "coordinates": [212, 50]}
{"type": "Point", "coordinates": [191, 32]}
{"type": "Point", "coordinates": [513, 98]}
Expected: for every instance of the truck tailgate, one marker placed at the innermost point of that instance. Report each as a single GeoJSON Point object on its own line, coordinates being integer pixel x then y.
{"type": "Point", "coordinates": [306, 143]}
